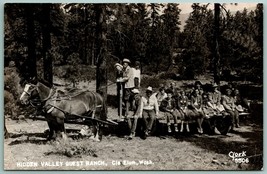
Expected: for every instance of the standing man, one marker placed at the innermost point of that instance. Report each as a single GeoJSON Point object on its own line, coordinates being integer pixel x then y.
{"type": "Point", "coordinates": [128, 78]}
{"type": "Point", "coordinates": [119, 80]}
{"type": "Point", "coordinates": [137, 75]}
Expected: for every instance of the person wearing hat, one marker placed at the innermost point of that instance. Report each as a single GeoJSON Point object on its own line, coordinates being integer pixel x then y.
{"type": "Point", "coordinates": [119, 80]}
{"type": "Point", "coordinates": [241, 103]}
{"type": "Point", "coordinates": [137, 104]}
{"type": "Point", "coordinates": [215, 99]}
{"type": "Point", "coordinates": [128, 79]}
{"type": "Point", "coordinates": [137, 75]}
{"type": "Point", "coordinates": [161, 94]}
{"type": "Point", "coordinates": [149, 109]}
{"type": "Point", "coordinates": [196, 109]}
{"type": "Point", "coordinates": [229, 105]}
{"type": "Point", "coordinates": [168, 106]}
{"type": "Point", "coordinates": [182, 104]}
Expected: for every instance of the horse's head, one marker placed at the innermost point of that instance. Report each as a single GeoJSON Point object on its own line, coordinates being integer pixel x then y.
{"type": "Point", "coordinates": [30, 91]}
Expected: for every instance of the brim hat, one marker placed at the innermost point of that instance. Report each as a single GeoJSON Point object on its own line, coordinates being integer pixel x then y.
{"type": "Point", "coordinates": [239, 108]}
{"type": "Point", "coordinates": [135, 91]}
{"type": "Point", "coordinates": [126, 61]}
{"type": "Point", "coordinates": [198, 83]}
{"type": "Point", "coordinates": [118, 65]}
{"type": "Point", "coordinates": [214, 85]}
{"type": "Point", "coordinates": [149, 89]}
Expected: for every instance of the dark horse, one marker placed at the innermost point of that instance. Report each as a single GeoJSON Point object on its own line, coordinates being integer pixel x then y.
{"type": "Point", "coordinates": [58, 105]}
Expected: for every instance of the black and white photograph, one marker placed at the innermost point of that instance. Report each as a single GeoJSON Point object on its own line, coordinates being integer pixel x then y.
{"type": "Point", "coordinates": [133, 86]}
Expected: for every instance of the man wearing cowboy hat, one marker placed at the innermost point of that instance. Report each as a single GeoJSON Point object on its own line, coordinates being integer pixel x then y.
{"type": "Point", "coordinates": [128, 79]}
{"type": "Point", "coordinates": [137, 106]}
{"type": "Point", "coordinates": [149, 109]}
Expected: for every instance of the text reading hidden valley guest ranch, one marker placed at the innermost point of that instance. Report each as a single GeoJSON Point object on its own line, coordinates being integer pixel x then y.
{"type": "Point", "coordinates": [83, 163]}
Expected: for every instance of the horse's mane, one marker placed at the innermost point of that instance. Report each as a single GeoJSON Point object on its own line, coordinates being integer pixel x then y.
{"type": "Point", "coordinates": [46, 83]}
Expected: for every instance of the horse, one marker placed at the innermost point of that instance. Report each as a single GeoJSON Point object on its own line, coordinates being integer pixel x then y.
{"type": "Point", "coordinates": [58, 106]}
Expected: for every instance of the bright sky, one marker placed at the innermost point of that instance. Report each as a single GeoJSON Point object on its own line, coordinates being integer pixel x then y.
{"type": "Point", "coordinates": [186, 7]}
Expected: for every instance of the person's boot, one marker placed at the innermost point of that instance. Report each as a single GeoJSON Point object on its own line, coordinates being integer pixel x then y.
{"type": "Point", "coordinates": [176, 128]}
{"type": "Point", "coordinates": [169, 129]}
{"type": "Point", "coordinates": [131, 136]}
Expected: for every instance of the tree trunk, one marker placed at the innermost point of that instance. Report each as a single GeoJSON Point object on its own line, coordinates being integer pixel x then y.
{"type": "Point", "coordinates": [30, 66]}
{"type": "Point", "coordinates": [6, 134]}
{"type": "Point", "coordinates": [46, 41]}
{"type": "Point", "coordinates": [101, 52]}
{"type": "Point", "coordinates": [216, 54]}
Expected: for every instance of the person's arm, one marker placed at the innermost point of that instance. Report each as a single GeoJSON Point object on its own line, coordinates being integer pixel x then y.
{"type": "Point", "coordinates": [192, 102]}
{"type": "Point", "coordinates": [225, 105]}
{"type": "Point", "coordinates": [141, 106]}
{"type": "Point", "coordinates": [219, 99]}
{"type": "Point", "coordinates": [126, 74]}
{"type": "Point", "coordinates": [201, 103]}
{"type": "Point", "coordinates": [233, 103]}
{"type": "Point", "coordinates": [156, 106]}
{"type": "Point", "coordinates": [163, 106]}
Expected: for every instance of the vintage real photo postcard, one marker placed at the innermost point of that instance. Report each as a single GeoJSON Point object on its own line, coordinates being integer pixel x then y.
{"type": "Point", "coordinates": [133, 86]}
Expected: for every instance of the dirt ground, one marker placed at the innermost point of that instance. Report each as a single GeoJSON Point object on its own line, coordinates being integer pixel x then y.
{"type": "Point", "coordinates": [183, 152]}
{"type": "Point", "coordinates": [28, 149]}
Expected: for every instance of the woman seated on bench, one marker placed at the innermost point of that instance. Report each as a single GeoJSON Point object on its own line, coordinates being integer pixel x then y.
{"type": "Point", "coordinates": [229, 104]}
{"type": "Point", "coordinates": [168, 106]}
{"type": "Point", "coordinates": [196, 109]}
{"type": "Point", "coordinates": [214, 100]}
{"type": "Point", "coordinates": [182, 106]}
{"type": "Point", "coordinates": [241, 103]}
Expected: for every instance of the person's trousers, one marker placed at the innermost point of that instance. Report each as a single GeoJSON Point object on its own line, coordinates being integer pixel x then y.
{"type": "Point", "coordinates": [169, 115]}
{"type": "Point", "coordinates": [149, 117]}
{"type": "Point", "coordinates": [235, 116]}
{"type": "Point", "coordinates": [132, 125]}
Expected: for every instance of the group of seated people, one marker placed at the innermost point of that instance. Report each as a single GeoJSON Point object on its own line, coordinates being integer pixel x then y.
{"type": "Point", "coordinates": [194, 104]}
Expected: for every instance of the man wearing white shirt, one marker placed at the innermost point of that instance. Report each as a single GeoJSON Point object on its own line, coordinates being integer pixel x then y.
{"type": "Point", "coordinates": [137, 75]}
{"type": "Point", "coordinates": [128, 78]}
{"type": "Point", "coordinates": [149, 109]}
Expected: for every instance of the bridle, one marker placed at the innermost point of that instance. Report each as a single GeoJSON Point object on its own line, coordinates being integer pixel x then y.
{"type": "Point", "coordinates": [29, 94]}
{"type": "Point", "coordinates": [37, 102]}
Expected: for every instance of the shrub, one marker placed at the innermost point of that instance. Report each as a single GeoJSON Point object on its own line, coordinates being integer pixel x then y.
{"type": "Point", "coordinates": [71, 149]}
{"type": "Point", "coordinates": [12, 92]}
{"type": "Point", "coordinates": [153, 81]}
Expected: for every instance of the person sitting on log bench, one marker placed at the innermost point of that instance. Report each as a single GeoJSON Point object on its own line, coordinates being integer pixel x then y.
{"type": "Point", "coordinates": [168, 106]}
{"type": "Point", "coordinates": [229, 104]}
{"type": "Point", "coordinates": [215, 98]}
{"type": "Point", "coordinates": [196, 109]}
{"type": "Point", "coordinates": [137, 113]}
{"type": "Point", "coordinates": [149, 110]}
{"type": "Point", "coordinates": [182, 105]}
{"type": "Point", "coordinates": [242, 104]}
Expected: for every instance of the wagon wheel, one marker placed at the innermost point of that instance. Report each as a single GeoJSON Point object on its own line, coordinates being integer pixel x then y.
{"type": "Point", "coordinates": [224, 124]}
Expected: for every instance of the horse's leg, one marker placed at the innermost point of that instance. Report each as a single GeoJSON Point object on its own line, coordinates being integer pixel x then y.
{"type": "Point", "coordinates": [51, 130]}
{"type": "Point", "coordinates": [97, 132]}
{"type": "Point", "coordinates": [51, 126]}
{"type": "Point", "coordinates": [61, 127]}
